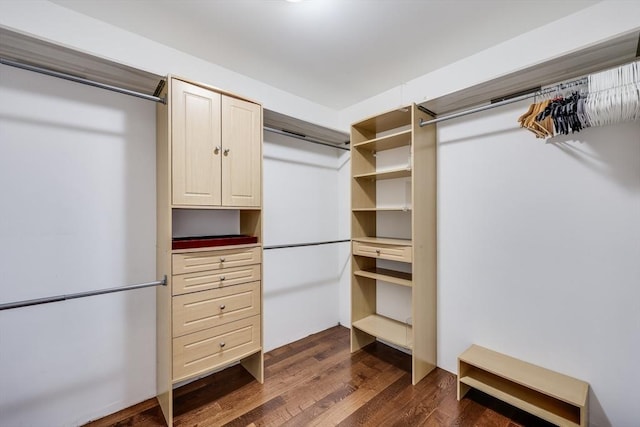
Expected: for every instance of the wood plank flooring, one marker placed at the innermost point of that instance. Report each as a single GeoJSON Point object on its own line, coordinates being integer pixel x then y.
{"type": "Point", "coordinates": [317, 382]}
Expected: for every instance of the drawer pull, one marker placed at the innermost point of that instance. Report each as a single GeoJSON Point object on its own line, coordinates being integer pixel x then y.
{"type": "Point", "coordinates": [222, 259]}
{"type": "Point", "coordinates": [378, 251]}
{"type": "Point", "coordinates": [222, 307]}
{"type": "Point", "coordinates": [222, 278]}
{"type": "Point", "coordinates": [222, 344]}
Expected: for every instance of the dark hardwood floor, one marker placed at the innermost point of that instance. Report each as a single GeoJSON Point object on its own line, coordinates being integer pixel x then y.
{"type": "Point", "coordinates": [317, 382]}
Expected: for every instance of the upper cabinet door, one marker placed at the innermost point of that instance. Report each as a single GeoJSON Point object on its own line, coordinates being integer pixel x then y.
{"type": "Point", "coordinates": [241, 152]}
{"type": "Point", "coordinates": [195, 145]}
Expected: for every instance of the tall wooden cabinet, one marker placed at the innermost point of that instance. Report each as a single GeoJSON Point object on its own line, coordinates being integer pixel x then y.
{"type": "Point", "coordinates": [391, 153]}
{"type": "Point", "coordinates": [209, 158]}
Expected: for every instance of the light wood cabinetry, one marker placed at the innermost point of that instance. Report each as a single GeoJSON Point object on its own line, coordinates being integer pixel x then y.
{"type": "Point", "coordinates": [209, 157]}
{"type": "Point", "coordinates": [241, 152]}
{"type": "Point", "coordinates": [216, 148]}
{"type": "Point", "coordinates": [394, 133]}
{"type": "Point", "coordinates": [552, 396]}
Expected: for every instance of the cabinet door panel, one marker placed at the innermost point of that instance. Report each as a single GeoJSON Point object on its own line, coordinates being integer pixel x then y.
{"type": "Point", "coordinates": [242, 152]}
{"type": "Point", "coordinates": [195, 120]}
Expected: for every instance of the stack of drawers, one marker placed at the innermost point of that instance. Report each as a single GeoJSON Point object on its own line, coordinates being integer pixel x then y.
{"type": "Point", "coordinates": [216, 308]}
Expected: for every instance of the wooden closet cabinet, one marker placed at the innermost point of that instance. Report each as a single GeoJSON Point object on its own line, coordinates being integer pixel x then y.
{"type": "Point", "coordinates": [209, 182]}
{"type": "Point", "coordinates": [215, 148]}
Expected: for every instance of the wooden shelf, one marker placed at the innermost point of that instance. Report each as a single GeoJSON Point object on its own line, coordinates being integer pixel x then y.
{"type": "Point", "coordinates": [383, 241]}
{"type": "Point", "coordinates": [552, 396]}
{"type": "Point", "coordinates": [388, 174]}
{"type": "Point", "coordinates": [386, 329]}
{"type": "Point", "coordinates": [392, 209]}
{"type": "Point", "coordinates": [399, 139]}
{"type": "Point", "coordinates": [383, 122]}
{"type": "Point", "coordinates": [391, 276]}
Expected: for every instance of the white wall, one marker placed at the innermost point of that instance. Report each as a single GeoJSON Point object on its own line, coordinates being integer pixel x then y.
{"type": "Point", "coordinates": [538, 251]}
{"type": "Point", "coordinates": [604, 20]}
{"type": "Point", "coordinates": [78, 213]}
{"type": "Point", "coordinates": [63, 26]}
{"type": "Point", "coordinates": [301, 205]}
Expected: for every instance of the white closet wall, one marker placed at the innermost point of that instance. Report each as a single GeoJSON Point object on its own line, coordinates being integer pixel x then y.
{"type": "Point", "coordinates": [538, 251]}
{"type": "Point", "coordinates": [78, 213]}
{"type": "Point", "coordinates": [301, 205]}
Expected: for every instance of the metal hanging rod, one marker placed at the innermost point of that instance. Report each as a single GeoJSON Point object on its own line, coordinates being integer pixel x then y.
{"type": "Point", "coordinates": [304, 138]}
{"type": "Point", "coordinates": [58, 298]}
{"type": "Point", "coordinates": [504, 102]}
{"type": "Point", "coordinates": [297, 245]}
{"type": "Point", "coordinates": [81, 80]}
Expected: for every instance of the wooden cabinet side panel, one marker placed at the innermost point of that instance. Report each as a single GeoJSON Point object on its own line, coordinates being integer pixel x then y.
{"type": "Point", "coordinates": [163, 261]}
{"type": "Point", "coordinates": [241, 152]}
{"type": "Point", "coordinates": [424, 246]}
{"type": "Point", "coordinates": [195, 138]}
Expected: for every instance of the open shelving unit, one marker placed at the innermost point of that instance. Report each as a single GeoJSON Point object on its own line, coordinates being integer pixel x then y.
{"type": "Point", "coordinates": [393, 148]}
{"type": "Point", "coordinates": [552, 396]}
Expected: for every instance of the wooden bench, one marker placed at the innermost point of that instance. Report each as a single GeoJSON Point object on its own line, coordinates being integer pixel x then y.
{"type": "Point", "coordinates": [549, 395]}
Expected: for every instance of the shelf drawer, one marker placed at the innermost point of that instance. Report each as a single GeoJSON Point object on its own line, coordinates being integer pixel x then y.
{"type": "Point", "coordinates": [201, 281]}
{"type": "Point", "coordinates": [191, 262]}
{"type": "Point", "coordinates": [206, 350]}
{"type": "Point", "coordinates": [402, 253]}
{"type": "Point", "coordinates": [202, 310]}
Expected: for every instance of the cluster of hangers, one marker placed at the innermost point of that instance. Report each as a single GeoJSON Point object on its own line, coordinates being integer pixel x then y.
{"type": "Point", "coordinates": [608, 97]}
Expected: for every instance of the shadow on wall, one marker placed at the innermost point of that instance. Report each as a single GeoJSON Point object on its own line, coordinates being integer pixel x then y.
{"type": "Point", "coordinates": [597, 416]}
{"type": "Point", "coordinates": [300, 287]}
{"type": "Point", "coordinates": [93, 153]}
{"type": "Point", "coordinates": [595, 149]}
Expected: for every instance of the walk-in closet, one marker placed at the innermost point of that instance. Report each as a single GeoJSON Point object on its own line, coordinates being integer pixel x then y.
{"type": "Point", "coordinates": [319, 213]}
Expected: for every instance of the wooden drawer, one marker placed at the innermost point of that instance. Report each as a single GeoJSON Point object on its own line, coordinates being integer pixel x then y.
{"type": "Point", "coordinates": [191, 262]}
{"type": "Point", "coordinates": [383, 251]}
{"type": "Point", "coordinates": [207, 309]}
{"type": "Point", "coordinates": [206, 350]}
{"type": "Point", "coordinates": [200, 281]}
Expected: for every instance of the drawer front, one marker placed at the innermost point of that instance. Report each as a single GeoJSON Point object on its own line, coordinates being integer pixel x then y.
{"type": "Point", "coordinates": [382, 251]}
{"type": "Point", "coordinates": [190, 262]}
{"type": "Point", "coordinates": [203, 310]}
{"type": "Point", "coordinates": [192, 282]}
{"type": "Point", "coordinates": [202, 351]}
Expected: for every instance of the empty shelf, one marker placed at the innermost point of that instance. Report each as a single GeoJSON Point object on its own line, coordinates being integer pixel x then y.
{"type": "Point", "coordinates": [389, 174]}
{"type": "Point", "coordinates": [399, 139]}
{"type": "Point", "coordinates": [391, 276]}
{"type": "Point", "coordinates": [386, 329]}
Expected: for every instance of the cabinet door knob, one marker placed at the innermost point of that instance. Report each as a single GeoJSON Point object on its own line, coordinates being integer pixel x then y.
{"type": "Point", "coordinates": [222, 259]}
{"type": "Point", "coordinates": [226, 151]}
{"type": "Point", "coordinates": [222, 344]}
{"type": "Point", "coordinates": [222, 307]}
{"type": "Point", "coordinates": [216, 150]}
{"type": "Point", "coordinates": [222, 278]}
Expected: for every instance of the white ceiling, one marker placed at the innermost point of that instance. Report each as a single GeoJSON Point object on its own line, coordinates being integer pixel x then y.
{"type": "Point", "coordinates": [333, 52]}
